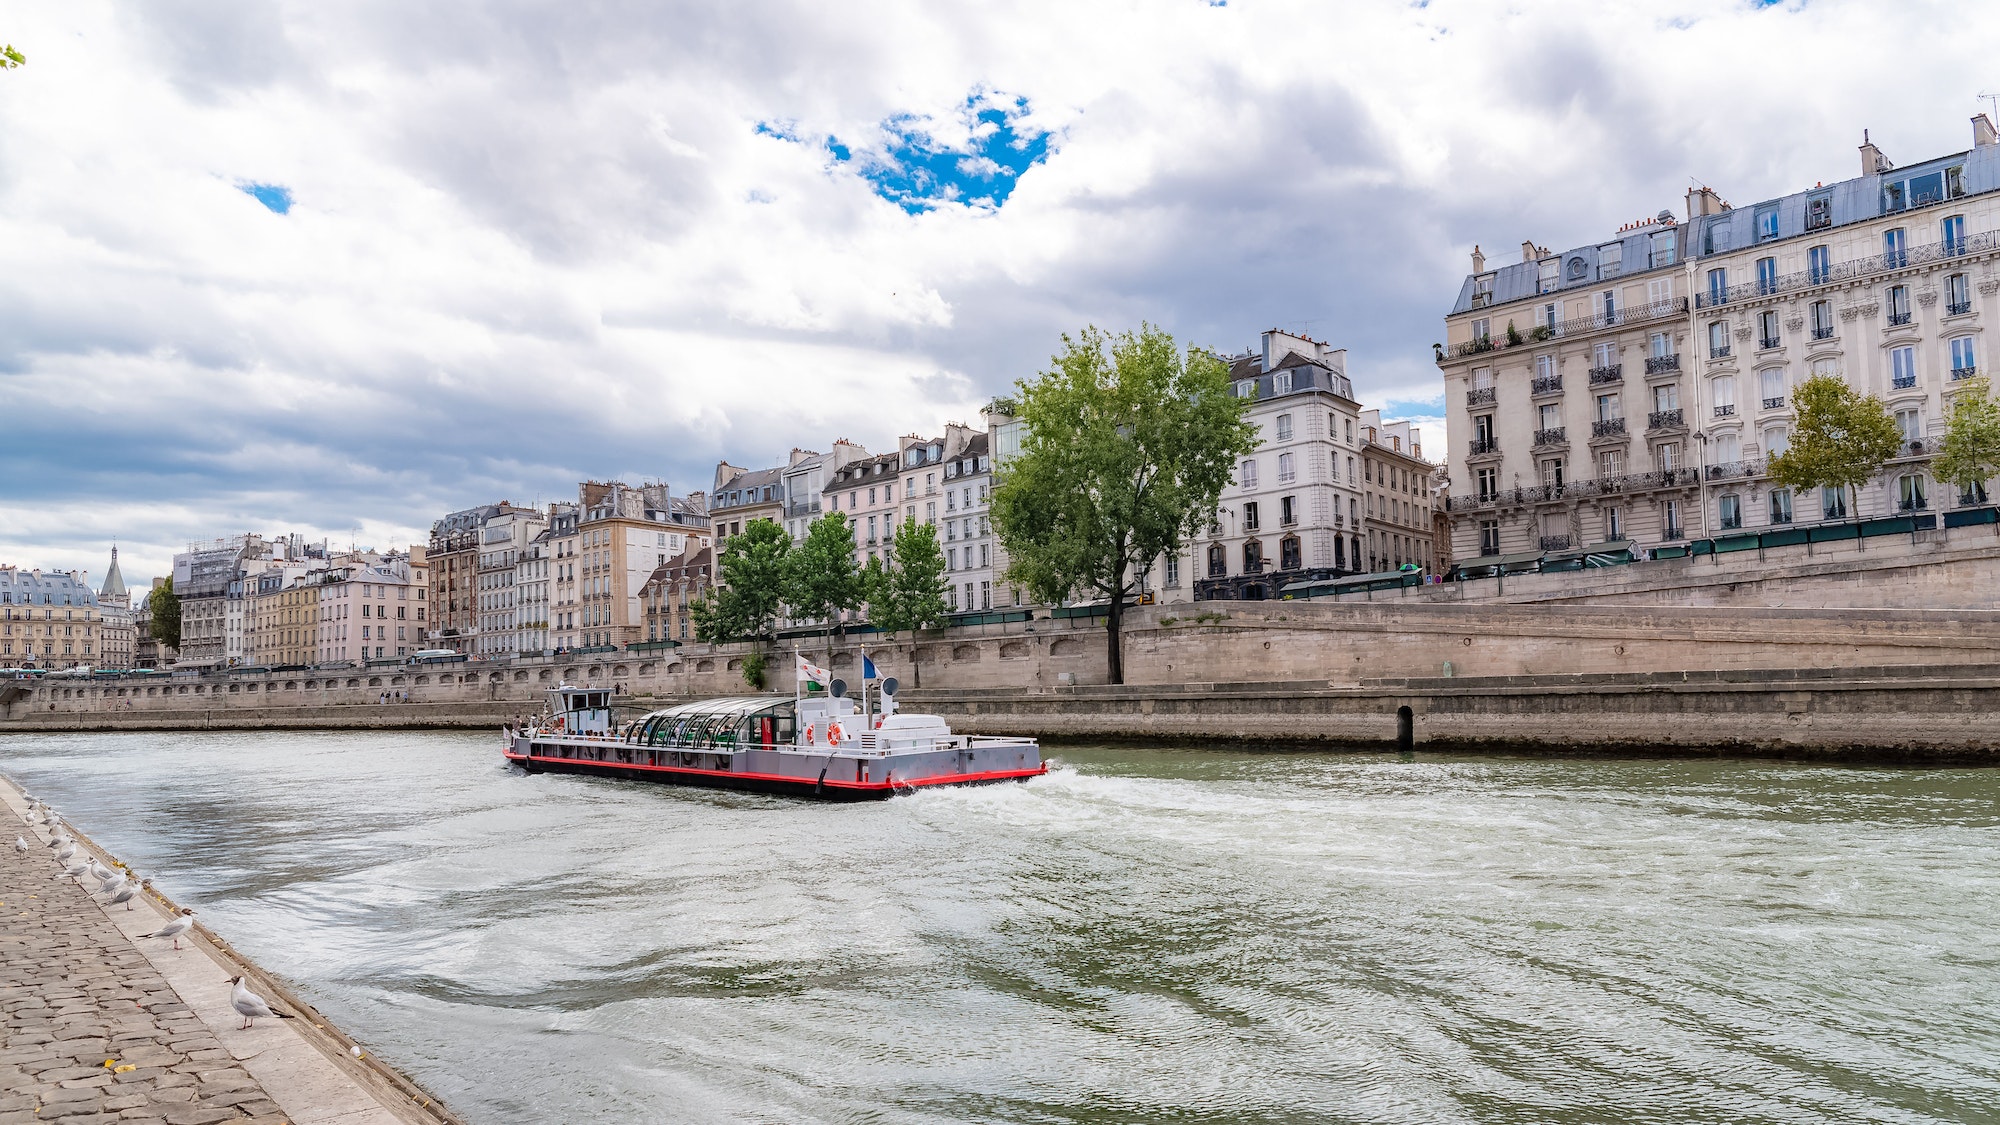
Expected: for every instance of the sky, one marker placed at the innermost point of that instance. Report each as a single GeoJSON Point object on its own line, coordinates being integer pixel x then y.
{"type": "Point", "coordinates": [338, 269]}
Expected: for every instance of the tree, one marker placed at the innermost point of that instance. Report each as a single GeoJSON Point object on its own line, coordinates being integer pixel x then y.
{"type": "Point", "coordinates": [821, 579]}
{"type": "Point", "coordinates": [1971, 453]}
{"type": "Point", "coordinates": [165, 607]}
{"type": "Point", "coordinates": [1841, 439]}
{"type": "Point", "coordinates": [908, 592]}
{"type": "Point", "coordinates": [1129, 445]}
{"type": "Point", "coordinates": [10, 58]}
{"type": "Point", "coordinates": [751, 570]}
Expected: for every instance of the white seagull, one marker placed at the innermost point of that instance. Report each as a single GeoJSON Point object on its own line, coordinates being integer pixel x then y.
{"type": "Point", "coordinates": [249, 1005]}
{"type": "Point", "coordinates": [106, 886]}
{"type": "Point", "coordinates": [21, 845]}
{"type": "Point", "coordinates": [125, 895]}
{"type": "Point", "coordinates": [77, 871]}
{"type": "Point", "coordinates": [67, 851]}
{"type": "Point", "coordinates": [100, 872]}
{"type": "Point", "coordinates": [177, 927]}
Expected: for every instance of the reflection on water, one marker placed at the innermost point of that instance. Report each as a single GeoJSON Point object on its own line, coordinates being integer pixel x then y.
{"type": "Point", "coordinates": [1142, 935]}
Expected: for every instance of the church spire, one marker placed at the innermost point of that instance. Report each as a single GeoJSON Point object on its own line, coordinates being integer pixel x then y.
{"type": "Point", "coordinates": [114, 582]}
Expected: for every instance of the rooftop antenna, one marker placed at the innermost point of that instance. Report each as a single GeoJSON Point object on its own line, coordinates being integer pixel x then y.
{"type": "Point", "coordinates": [1992, 100]}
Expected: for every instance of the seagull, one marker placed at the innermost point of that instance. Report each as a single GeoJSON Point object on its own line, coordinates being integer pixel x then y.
{"type": "Point", "coordinates": [21, 845]}
{"type": "Point", "coordinates": [67, 851]}
{"type": "Point", "coordinates": [110, 884]}
{"type": "Point", "coordinates": [250, 1005]}
{"type": "Point", "coordinates": [125, 895]}
{"type": "Point", "coordinates": [77, 871]}
{"type": "Point", "coordinates": [175, 928]}
{"type": "Point", "coordinates": [100, 872]}
{"type": "Point", "coordinates": [58, 838]}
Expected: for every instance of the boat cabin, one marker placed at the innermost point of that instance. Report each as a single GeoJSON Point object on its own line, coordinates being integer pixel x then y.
{"type": "Point", "coordinates": [582, 710]}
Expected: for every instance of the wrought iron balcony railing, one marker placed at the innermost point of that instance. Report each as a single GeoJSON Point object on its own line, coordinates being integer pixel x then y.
{"type": "Point", "coordinates": [1777, 403]}
{"type": "Point", "coordinates": [1898, 319]}
{"type": "Point", "coordinates": [1725, 410]}
{"type": "Point", "coordinates": [1768, 342]}
{"type": "Point", "coordinates": [1957, 308]}
{"type": "Point", "coordinates": [1625, 317]}
{"type": "Point", "coordinates": [1913, 505]}
{"type": "Point", "coordinates": [1480, 396]}
{"type": "Point", "coordinates": [1655, 364]}
{"type": "Point", "coordinates": [1719, 353]}
{"type": "Point", "coordinates": [1609, 373]}
{"type": "Point", "coordinates": [1601, 486]}
{"type": "Point", "coordinates": [1555, 542]}
{"type": "Point", "coordinates": [1823, 332]}
{"type": "Point", "coordinates": [1731, 470]}
{"type": "Point", "coordinates": [1665, 420]}
{"type": "Point", "coordinates": [1859, 267]}
{"type": "Point", "coordinates": [1958, 373]}
{"type": "Point", "coordinates": [1554, 436]}
{"type": "Point", "coordinates": [1548, 385]}
{"type": "Point", "coordinates": [1608, 427]}
{"type": "Point", "coordinates": [1903, 382]}
{"type": "Point", "coordinates": [1478, 446]}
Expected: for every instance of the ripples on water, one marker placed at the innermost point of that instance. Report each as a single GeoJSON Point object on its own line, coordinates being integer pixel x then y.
{"type": "Point", "coordinates": [1140, 936]}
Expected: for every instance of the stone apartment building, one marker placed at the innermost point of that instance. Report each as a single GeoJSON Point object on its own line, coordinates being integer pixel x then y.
{"type": "Point", "coordinates": [1398, 483]}
{"type": "Point", "coordinates": [1633, 390]}
{"type": "Point", "coordinates": [117, 635]}
{"type": "Point", "coordinates": [671, 589]}
{"type": "Point", "coordinates": [372, 608]}
{"type": "Point", "coordinates": [603, 553]}
{"type": "Point", "coordinates": [967, 532]}
{"type": "Point", "coordinates": [805, 479]}
{"type": "Point", "coordinates": [47, 620]}
{"type": "Point", "coordinates": [534, 574]}
{"type": "Point", "coordinates": [1294, 510]}
{"type": "Point", "coordinates": [217, 581]}
{"type": "Point", "coordinates": [743, 496]}
{"type": "Point", "coordinates": [454, 555]}
{"type": "Point", "coordinates": [865, 489]}
{"type": "Point", "coordinates": [502, 540]}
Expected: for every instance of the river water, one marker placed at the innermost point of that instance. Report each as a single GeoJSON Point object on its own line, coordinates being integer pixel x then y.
{"type": "Point", "coordinates": [1144, 935]}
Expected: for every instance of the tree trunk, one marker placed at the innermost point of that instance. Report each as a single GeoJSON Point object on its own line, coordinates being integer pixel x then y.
{"type": "Point", "coordinates": [1114, 656]}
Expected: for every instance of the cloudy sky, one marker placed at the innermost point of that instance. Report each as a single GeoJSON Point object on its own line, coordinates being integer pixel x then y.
{"type": "Point", "coordinates": [339, 268]}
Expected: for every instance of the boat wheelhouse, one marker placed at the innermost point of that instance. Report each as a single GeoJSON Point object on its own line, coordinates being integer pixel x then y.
{"type": "Point", "coordinates": [818, 746]}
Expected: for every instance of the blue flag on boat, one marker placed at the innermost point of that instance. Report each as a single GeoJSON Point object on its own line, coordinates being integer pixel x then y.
{"type": "Point", "coordinates": [867, 668]}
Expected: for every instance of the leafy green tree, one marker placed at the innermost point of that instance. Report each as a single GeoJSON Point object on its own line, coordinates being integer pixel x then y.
{"type": "Point", "coordinates": [1971, 453]}
{"type": "Point", "coordinates": [10, 58]}
{"type": "Point", "coordinates": [1841, 439]}
{"type": "Point", "coordinates": [165, 608]}
{"type": "Point", "coordinates": [908, 592]}
{"type": "Point", "coordinates": [752, 571]}
{"type": "Point", "coordinates": [1129, 445]}
{"type": "Point", "coordinates": [821, 578]}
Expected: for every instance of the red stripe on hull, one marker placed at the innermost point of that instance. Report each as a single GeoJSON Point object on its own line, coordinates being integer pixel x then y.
{"type": "Point", "coordinates": [765, 782]}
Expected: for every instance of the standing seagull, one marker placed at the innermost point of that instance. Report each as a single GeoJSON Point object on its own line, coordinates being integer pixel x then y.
{"type": "Point", "coordinates": [125, 895]}
{"type": "Point", "coordinates": [67, 851]}
{"type": "Point", "coordinates": [21, 845]}
{"type": "Point", "coordinates": [250, 1005]}
{"type": "Point", "coordinates": [175, 928]}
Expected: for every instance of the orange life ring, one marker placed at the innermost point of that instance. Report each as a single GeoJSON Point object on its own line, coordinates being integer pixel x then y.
{"type": "Point", "coordinates": [834, 734]}
{"type": "Point", "coordinates": [809, 734]}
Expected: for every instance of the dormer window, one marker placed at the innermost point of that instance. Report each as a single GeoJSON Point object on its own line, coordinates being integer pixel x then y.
{"type": "Point", "coordinates": [1246, 388]}
{"type": "Point", "coordinates": [1482, 291]}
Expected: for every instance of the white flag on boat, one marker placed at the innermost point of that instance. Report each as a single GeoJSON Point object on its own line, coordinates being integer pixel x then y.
{"type": "Point", "coordinates": [812, 673]}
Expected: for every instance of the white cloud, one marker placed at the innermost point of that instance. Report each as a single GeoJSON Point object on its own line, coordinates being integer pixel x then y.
{"type": "Point", "coordinates": [532, 243]}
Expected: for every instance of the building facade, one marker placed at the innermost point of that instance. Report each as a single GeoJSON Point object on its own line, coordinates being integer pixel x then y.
{"type": "Point", "coordinates": [671, 589]}
{"type": "Point", "coordinates": [1634, 390]}
{"type": "Point", "coordinates": [604, 552]}
{"type": "Point", "coordinates": [865, 489]}
{"type": "Point", "coordinates": [1293, 512]}
{"type": "Point", "coordinates": [117, 636]}
{"type": "Point", "coordinates": [805, 479]}
{"type": "Point", "coordinates": [967, 536]}
{"type": "Point", "coordinates": [743, 496]}
{"type": "Point", "coordinates": [1398, 484]}
{"type": "Point", "coordinates": [454, 555]}
{"type": "Point", "coordinates": [47, 620]}
{"type": "Point", "coordinates": [502, 541]}
{"type": "Point", "coordinates": [372, 608]}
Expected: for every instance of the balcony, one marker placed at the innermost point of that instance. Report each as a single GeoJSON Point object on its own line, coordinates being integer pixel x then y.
{"type": "Point", "coordinates": [1766, 343]}
{"type": "Point", "coordinates": [1719, 353]}
{"type": "Point", "coordinates": [1625, 317]}
{"type": "Point", "coordinates": [1858, 268]}
{"type": "Point", "coordinates": [1903, 382]}
{"type": "Point", "coordinates": [1734, 470]}
{"type": "Point", "coordinates": [1676, 479]}
{"type": "Point", "coordinates": [1958, 373]}
{"type": "Point", "coordinates": [1958, 308]}
{"type": "Point", "coordinates": [1547, 385]}
{"type": "Point", "coordinates": [1674, 531]}
{"type": "Point", "coordinates": [1478, 447]}
{"type": "Point", "coordinates": [1898, 319]}
{"type": "Point", "coordinates": [1823, 332]}
{"type": "Point", "coordinates": [1608, 427]}
{"type": "Point", "coordinates": [1480, 396]}
{"type": "Point", "coordinates": [1775, 403]}
{"type": "Point", "coordinates": [1609, 373]}
{"type": "Point", "coordinates": [1656, 364]}
{"type": "Point", "coordinates": [1556, 436]}
{"type": "Point", "coordinates": [1725, 410]}
{"type": "Point", "coordinates": [1913, 506]}
{"type": "Point", "coordinates": [1555, 542]}
{"type": "Point", "coordinates": [1665, 420]}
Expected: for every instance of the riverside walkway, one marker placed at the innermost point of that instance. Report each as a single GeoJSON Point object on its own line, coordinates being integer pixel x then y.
{"type": "Point", "coordinates": [97, 1026]}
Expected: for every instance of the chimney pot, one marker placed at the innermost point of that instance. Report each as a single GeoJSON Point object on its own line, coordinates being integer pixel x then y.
{"type": "Point", "coordinates": [1478, 260]}
{"type": "Point", "coordinates": [1983, 133]}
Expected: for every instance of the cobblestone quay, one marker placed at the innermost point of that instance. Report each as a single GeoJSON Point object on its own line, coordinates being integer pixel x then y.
{"type": "Point", "coordinates": [98, 1026]}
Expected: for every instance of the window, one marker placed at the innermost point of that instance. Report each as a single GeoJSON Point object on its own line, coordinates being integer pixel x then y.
{"type": "Point", "coordinates": [1911, 493]}
{"type": "Point", "coordinates": [1607, 408]}
{"type": "Point", "coordinates": [1670, 520]}
{"type": "Point", "coordinates": [1488, 481]}
{"type": "Point", "coordinates": [1910, 423]}
{"type": "Point", "coordinates": [1767, 328]}
{"type": "Point", "coordinates": [1281, 383]}
{"type": "Point", "coordinates": [1663, 249]}
{"type": "Point", "coordinates": [1718, 286]}
{"type": "Point", "coordinates": [1715, 235]}
{"type": "Point", "coordinates": [1288, 553]}
{"type": "Point", "coordinates": [1253, 557]}
{"type": "Point", "coordinates": [1545, 367]}
{"type": "Point", "coordinates": [1610, 257]}
{"type": "Point", "coordinates": [1288, 510]}
{"type": "Point", "coordinates": [1482, 378]}
{"type": "Point", "coordinates": [1350, 440]}
{"type": "Point", "coordinates": [1287, 473]}
{"type": "Point", "coordinates": [1775, 441]}
{"type": "Point", "coordinates": [1482, 431]}
{"type": "Point", "coordinates": [1547, 275]}
{"type": "Point", "coordinates": [1610, 303]}
{"type": "Point", "coordinates": [1667, 397]}
{"type": "Point", "coordinates": [1250, 516]}
{"type": "Point", "coordinates": [1767, 223]}
{"type": "Point", "coordinates": [1730, 509]}
{"type": "Point", "coordinates": [1614, 524]}
{"type": "Point", "coordinates": [1722, 392]}
{"type": "Point", "coordinates": [1767, 275]}
{"type": "Point", "coordinates": [1962, 364]}
{"type": "Point", "coordinates": [1218, 561]}
{"type": "Point", "coordinates": [1552, 471]}
{"type": "Point", "coordinates": [1833, 503]}
{"type": "Point", "coordinates": [1957, 296]}
{"type": "Point", "coordinates": [1482, 292]}
{"type": "Point", "coordinates": [1953, 232]}
{"type": "Point", "coordinates": [1659, 290]}
{"type": "Point", "coordinates": [1246, 474]}
{"type": "Point", "coordinates": [1547, 317]}
{"type": "Point", "coordinates": [1489, 537]}
{"type": "Point", "coordinates": [1604, 354]}
{"type": "Point", "coordinates": [1899, 305]}
{"type": "Point", "coordinates": [1819, 264]}
{"type": "Point", "coordinates": [1903, 368]}
{"type": "Point", "coordinates": [1284, 427]}
{"type": "Point", "coordinates": [1551, 416]}
{"type": "Point", "coordinates": [1482, 331]}
{"type": "Point", "coordinates": [1822, 320]}
{"type": "Point", "coordinates": [1660, 345]}
{"type": "Point", "coordinates": [1781, 505]}
{"type": "Point", "coordinates": [1895, 250]}
{"type": "Point", "coordinates": [1771, 386]}
{"type": "Point", "coordinates": [1668, 456]}
{"type": "Point", "coordinates": [1819, 212]}
{"type": "Point", "coordinates": [1247, 388]}
{"type": "Point", "coordinates": [1173, 569]}
{"type": "Point", "coordinates": [1718, 339]}
{"type": "Point", "coordinates": [1728, 449]}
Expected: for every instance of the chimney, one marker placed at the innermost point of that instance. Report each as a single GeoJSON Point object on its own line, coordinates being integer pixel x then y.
{"type": "Point", "coordinates": [1872, 160]}
{"type": "Point", "coordinates": [1982, 132]}
{"type": "Point", "coordinates": [1478, 261]}
{"type": "Point", "coordinates": [1528, 252]}
{"type": "Point", "coordinates": [1703, 201]}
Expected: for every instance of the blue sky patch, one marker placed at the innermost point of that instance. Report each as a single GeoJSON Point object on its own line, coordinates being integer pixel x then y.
{"type": "Point", "coordinates": [976, 162]}
{"type": "Point", "coordinates": [278, 199]}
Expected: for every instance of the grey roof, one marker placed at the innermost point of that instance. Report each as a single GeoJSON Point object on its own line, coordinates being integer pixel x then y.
{"type": "Point", "coordinates": [746, 489]}
{"type": "Point", "coordinates": [865, 471]}
{"type": "Point", "coordinates": [32, 588]}
{"type": "Point", "coordinates": [1307, 375]}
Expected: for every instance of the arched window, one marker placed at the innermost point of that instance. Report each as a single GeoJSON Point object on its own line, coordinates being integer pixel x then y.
{"type": "Point", "coordinates": [1218, 561]}
{"type": "Point", "coordinates": [1288, 553]}
{"type": "Point", "coordinates": [1253, 557]}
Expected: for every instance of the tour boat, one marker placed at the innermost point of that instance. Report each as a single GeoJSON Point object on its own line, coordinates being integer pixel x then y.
{"type": "Point", "coordinates": [823, 746]}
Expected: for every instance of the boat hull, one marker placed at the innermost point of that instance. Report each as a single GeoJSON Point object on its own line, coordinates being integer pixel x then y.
{"type": "Point", "coordinates": [818, 786]}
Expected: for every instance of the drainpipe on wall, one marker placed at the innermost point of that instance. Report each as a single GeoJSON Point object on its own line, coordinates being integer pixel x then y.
{"type": "Point", "coordinates": [1700, 431]}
